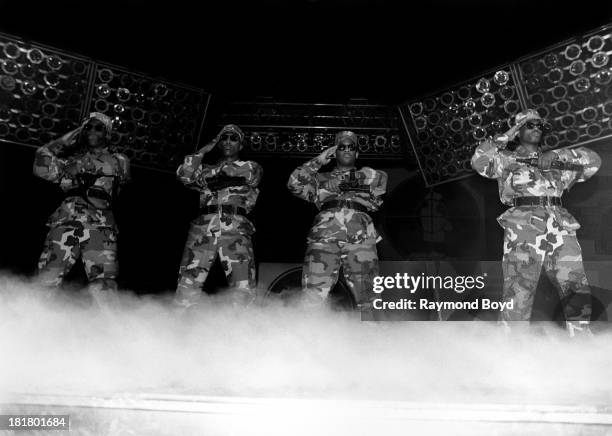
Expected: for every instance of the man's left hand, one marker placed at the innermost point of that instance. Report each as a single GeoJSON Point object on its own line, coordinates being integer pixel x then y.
{"type": "Point", "coordinates": [546, 159]}
{"type": "Point", "coordinates": [332, 185]}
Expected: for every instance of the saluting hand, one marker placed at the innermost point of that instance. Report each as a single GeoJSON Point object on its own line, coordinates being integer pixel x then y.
{"type": "Point", "coordinates": [70, 136]}
{"type": "Point", "coordinates": [210, 145]}
{"type": "Point", "coordinates": [326, 156]}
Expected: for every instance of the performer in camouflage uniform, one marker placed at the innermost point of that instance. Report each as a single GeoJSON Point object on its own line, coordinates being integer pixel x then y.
{"type": "Point", "coordinates": [538, 231]}
{"type": "Point", "coordinates": [343, 233]}
{"type": "Point", "coordinates": [83, 225]}
{"type": "Point", "coordinates": [228, 191]}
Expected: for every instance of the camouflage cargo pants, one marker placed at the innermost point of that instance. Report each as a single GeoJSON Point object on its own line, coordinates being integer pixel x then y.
{"type": "Point", "coordinates": [322, 265]}
{"type": "Point", "coordinates": [526, 252]}
{"type": "Point", "coordinates": [236, 255]}
{"type": "Point", "coordinates": [97, 248]}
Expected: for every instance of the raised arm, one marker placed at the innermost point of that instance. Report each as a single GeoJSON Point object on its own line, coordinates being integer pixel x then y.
{"type": "Point", "coordinates": [303, 180]}
{"type": "Point", "coordinates": [189, 171]}
{"type": "Point", "coordinates": [490, 157]}
{"type": "Point", "coordinates": [47, 164]}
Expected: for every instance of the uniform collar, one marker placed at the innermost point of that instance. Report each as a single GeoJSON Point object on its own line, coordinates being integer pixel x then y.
{"type": "Point", "coordinates": [339, 171]}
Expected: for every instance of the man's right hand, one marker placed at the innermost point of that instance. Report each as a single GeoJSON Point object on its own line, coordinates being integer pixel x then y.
{"type": "Point", "coordinates": [326, 156]}
{"type": "Point", "coordinates": [68, 138]}
{"type": "Point", "coordinates": [514, 130]}
{"type": "Point", "coordinates": [208, 147]}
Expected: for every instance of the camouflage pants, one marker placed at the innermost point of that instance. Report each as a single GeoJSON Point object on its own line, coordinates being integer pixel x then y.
{"type": "Point", "coordinates": [236, 255]}
{"type": "Point", "coordinates": [97, 248]}
{"type": "Point", "coordinates": [322, 265]}
{"type": "Point", "coordinates": [526, 252]}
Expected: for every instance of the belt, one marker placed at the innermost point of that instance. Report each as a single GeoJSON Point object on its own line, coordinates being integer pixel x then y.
{"type": "Point", "coordinates": [537, 201]}
{"type": "Point", "coordinates": [344, 203]}
{"type": "Point", "coordinates": [225, 208]}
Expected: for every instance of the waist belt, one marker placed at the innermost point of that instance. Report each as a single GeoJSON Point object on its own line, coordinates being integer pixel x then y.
{"type": "Point", "coordinates": [537, 201]}
{"type": "Point", "coordinates": [344, 203]}
{"type": "Point", "coordinates": [225, 208]}
{"type": "Point", "coordinates": [89, 194]}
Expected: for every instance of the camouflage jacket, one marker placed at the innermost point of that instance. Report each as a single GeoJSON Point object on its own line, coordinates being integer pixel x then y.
{"type": "Point", "coordinates": [339, 224]}
{"type": "Point", "coordinates": [516, 179]}
{"type": "Point", "coordinates": [194, 174]}
{"type": "Point", "coordinates": [113, 169]}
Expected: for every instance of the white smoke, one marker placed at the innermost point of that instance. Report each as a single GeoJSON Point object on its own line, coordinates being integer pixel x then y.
{"type": "Point", "coordinates": [68, 345]}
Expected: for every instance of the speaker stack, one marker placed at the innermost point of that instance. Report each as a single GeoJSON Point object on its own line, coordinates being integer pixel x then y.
{"type": "Point", "coordinates": [446, 126]}
{"type": "Point", "coordinates": [155, 122]}
{"type": "Point", "coordinates": [45, 92]}
{"type": "Point", "coordinates": [299, 129]}
{"type": "Point", "coordinates": [570, 84]}
{"type": "Point", "coordinates": [42, 91]}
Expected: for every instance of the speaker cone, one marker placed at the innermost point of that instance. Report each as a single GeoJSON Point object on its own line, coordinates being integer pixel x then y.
{"type": "Point", "coordinates": [11, 50]}
{"type": "Point", "coordinates": [103, 91]}
{"type": "Point", "coordinates": [47, 123]}
{"type": "Point", "coordinates": [555, 75]}
{"type": "Point", "coordinates": [78, 68]}
{"type": "Point", "coordinates": [506, 92]}
{"type": "Point", "coordinates": [28, 71]}
{"type": "Point", "coordinates": [551, 60]}
{"type": "Point", "coordinates": [487, 99]}
{"type": "Point", "coordinates": [551, 141]}
{"type": "Point", "coordinates": [49, 109]}
{"type": "Point", "coordinates": [271, 142]}
{"type": "Point", "coordinates": [595, 43]}
{"type": "Point", "coordinates": [429, 104]}
{"type": "Point", "coordinates": [589, 114]}
{"type": "Point", "coordinates": [456, 124]}
{"type": "Point", "coordinates": [54, 62]}
{"type": "Point", "coordinates": [10, 67]}
{"type": "Point", "coordinates": [101, 106]}
{"type": "Point", "coordinates": [511, 107]}
{"type": "Point", "coordinates": [568, 121]}
{"type": "Point", "coordinates": [483, 85]}
{"type": "Point", "coordinates": [536, 99]}
{"type": "Point", "coordinates": [572, 135]}
{"type": "Point", "coordinates": [577, 68]}
{"type": "Point", "coordinates": [479, 133]}
{"type": "Point", "coordinates": [593, 130]}
{"type": "Point", "coordinates": [572, 52]}
{"type": "Point", "coordinates": [28, 87]}
{"type": "Point", "coordinates": [420, 123]}
{"type": "Point", "coordinates": [51, 94]}
{"type": "Point", "coordinates": [8, 83]}
{"type": "Point", "coordinates": [22, 135]}
{"type": "Point", "coordinates": [286, 146]}
{"type": "Point", "coordinates": [416, 109]}
{"type": "Point", "coordinates": [559, 92]}
{"type": "Point", "coordinates": [447, 99]}
{"type": "Point", "coordinates": [105, 75]}
{"type": "Point", "coordinates": [600, 60]}
{"type": "Point", "coordinates": [582, 84]}
{"type": "Point", "coordinates": [501, 78]}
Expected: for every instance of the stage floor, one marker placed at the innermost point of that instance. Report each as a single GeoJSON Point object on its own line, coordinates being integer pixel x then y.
{"type": "Point", "coordinates": [153, 415]}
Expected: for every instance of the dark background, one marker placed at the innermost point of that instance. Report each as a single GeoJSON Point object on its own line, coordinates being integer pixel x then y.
{"type": "Point", "coordinates": [310, 51]}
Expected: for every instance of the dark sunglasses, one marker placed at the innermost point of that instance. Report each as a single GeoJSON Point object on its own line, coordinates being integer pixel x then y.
{"type": "Point", "coordinates": [231, 136]}
{"type": "Point", "coordinates": [349, 147]}
{"type": "Point", "coordinates": [544, 127]}
{"type": "Point", "coordinates": [93, 126]}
